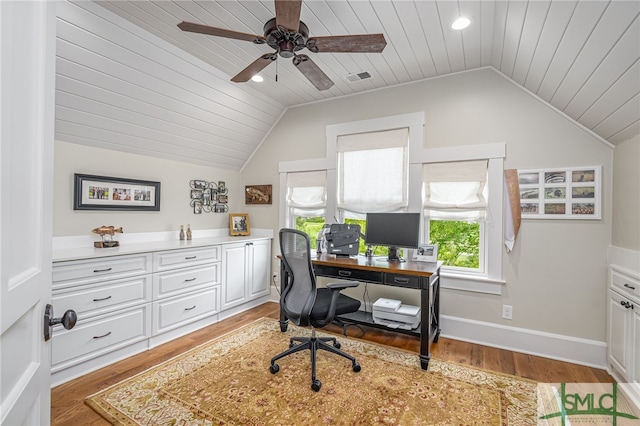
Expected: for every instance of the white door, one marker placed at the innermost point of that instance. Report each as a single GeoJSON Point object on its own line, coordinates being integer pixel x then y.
{"type": "Point", "coordinates": [27, 79]}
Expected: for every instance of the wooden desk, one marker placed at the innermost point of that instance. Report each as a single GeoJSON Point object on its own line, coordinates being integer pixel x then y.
{"type": "Point", "coordinates": [421, 276]}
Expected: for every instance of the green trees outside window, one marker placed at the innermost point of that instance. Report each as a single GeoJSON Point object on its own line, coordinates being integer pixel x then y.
{"type": "Point", "coordinates": [458, 242]}
{"type": "Point", "coordinates": [311, 226]}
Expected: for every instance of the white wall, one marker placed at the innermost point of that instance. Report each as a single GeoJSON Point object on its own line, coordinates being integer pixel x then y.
{"type": "Point", "coordinates": [174, 180]}
{"type": "Point", "coordinates": [626, 195]}
{"type": "Point", "coordinates": [556, 275]}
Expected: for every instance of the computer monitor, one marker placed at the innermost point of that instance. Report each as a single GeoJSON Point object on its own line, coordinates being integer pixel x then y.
{"type": "Point", "coordinates": [393, 230]}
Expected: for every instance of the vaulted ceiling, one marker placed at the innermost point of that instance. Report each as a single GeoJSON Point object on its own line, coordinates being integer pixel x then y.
{"type": "Point", "coordinates": [129, 79]}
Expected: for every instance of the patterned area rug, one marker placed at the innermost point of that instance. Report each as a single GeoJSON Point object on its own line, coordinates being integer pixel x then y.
{"type": "Point", "coordinates": [227, 381]}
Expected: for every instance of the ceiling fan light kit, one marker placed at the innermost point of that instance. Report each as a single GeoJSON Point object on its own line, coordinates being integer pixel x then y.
{"type": "Point", "coordinates": [287, 35]}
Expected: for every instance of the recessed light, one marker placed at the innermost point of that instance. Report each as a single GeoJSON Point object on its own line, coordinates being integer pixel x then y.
{"type": "Point", "coordinates": [257, 78]}
{"type": "Point", "coordinates": [461, 23]}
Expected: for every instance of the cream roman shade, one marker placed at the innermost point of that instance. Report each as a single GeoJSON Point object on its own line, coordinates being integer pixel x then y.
{"type": "Point", "coordinates": [455, 190]}
{"type": "Point", "coordinates": [373, 171]}
{"type": "Point", "coordinates": [307, 192]}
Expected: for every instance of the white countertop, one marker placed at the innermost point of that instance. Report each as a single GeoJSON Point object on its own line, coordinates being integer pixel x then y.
{"type": "Point", "coordinates": [75, 248]}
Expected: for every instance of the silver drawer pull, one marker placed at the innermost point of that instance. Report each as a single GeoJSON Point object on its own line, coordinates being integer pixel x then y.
{"type": "Point", "coordinates": [102, 270]}
{"type": "Point", "coordinates": [344, 273]}
{"type": "Point", "coordinates": [629, 286]}
{"type": "Point", "coordinates": [188, 309]}
{"type": "Point", "coordinates": [190, 279]}
{"type": "Point", "coordinates": [400, 280]}
{"type": "Point", "coordinates": [190, 257]}
{"type": "Point", "coordinates": [100, 300]}
{"type": "Point", "coordinates": [100, 337]}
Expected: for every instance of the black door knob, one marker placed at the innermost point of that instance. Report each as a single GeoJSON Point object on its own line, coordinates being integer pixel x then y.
{"type": "Point", "coordinates": [68, 320]}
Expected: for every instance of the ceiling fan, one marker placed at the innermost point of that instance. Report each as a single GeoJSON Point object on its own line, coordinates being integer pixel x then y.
{"type": "Point", "coordinates": [287, 34]}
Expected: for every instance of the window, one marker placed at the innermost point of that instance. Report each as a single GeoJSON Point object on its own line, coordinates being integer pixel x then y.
{"type": "Point", "coordinates": [362, 187]}
{"type": "Point", "coordinates": [455, 206]}
{"type": "Point", "coordinates": [307, 201]}
{"type": "Point", "coordinates": [346, 202]}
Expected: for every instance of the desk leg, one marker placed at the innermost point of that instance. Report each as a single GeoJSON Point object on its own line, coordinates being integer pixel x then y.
{"type": "Point", "coordinates": [425, 324]}
{"type": "Point", "coordinates": [284, 321]}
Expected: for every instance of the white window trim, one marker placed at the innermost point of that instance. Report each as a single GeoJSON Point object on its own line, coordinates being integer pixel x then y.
{"type": "Point", "coordinates": [491, 280]}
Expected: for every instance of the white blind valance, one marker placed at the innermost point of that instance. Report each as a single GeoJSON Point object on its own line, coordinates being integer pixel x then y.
{"type": "Point", "coordinates": [307, 190]}
{"type": "Point", "coordinates": [455, 190]}
{"type": "Point", "coordinates": [372, 171]}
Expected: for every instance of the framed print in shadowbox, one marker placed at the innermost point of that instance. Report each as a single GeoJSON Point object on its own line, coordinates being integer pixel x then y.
{"type": "Point", "coordinates": [239, 224]}
{"type": "Point", "coordinates": [112, 193]}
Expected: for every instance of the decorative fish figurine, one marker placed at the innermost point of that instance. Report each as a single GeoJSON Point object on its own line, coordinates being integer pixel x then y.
{"type": "Point", "coordinates": [256, 194]}
{"type": "Point", "coordinates": [106, 230]}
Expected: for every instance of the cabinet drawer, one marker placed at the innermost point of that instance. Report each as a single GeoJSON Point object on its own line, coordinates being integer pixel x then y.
{"type": "Point", "coordinates": [100, 335]}
{"type": "Point", "coordinates": [94, 299]}
{"type": "Point", "coordinates": [348, 274]}
{"type": "Point", "coordinates": [401, 280]}
{"type": "Point", "coordinates": [172, 313]}
{"type": "Point", "coordinates": [626, 284]}
{"type": "Point", "coordinates": [94, 270]}
{"type": "Point", "coordinates": [181, 258]}
{"type": "Point", "coordinates": [171, 283]}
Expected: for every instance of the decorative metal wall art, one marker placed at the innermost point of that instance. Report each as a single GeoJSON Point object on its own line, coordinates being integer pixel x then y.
{"type": "Point", "coordinates": [208, 197]}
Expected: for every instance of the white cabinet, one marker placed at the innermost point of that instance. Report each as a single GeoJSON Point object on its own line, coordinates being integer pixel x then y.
{"type": "Point", "coordinates": [623, 330]}
{"type": "Point", "coordinates": [245, 272]}
{"type": "Point", "coordinates": [128, 303]}
{"type": "Point", "coordinates": [112, 298]}
{"type": "Point", "coordinates": [183, 293]}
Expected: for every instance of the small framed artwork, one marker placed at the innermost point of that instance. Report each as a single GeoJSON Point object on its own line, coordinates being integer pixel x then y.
{"type": "Point", "coordinates": [426, 253]}
{"type": "Point", "coordinates": [239, 224]}
{"type": "Point", "coordinates": [257, 194]}
{"type": "Point", "coordinates": [113, 193]}
{"type": "Point", "coordinates": [567, 193]}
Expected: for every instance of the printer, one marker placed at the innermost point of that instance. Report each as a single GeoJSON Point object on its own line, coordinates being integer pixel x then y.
{"type": "Point", "coordinates": [343, 239]}
{"type": "Point", "coordinates": [393, 314]}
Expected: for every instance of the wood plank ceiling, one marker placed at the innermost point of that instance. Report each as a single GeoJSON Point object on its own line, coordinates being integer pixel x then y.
{"type": "Point", "coordinates": [129, 79]}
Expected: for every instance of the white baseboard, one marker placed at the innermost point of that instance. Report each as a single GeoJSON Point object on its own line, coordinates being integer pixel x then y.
{"type": "Point", "coordinates": [591, 353]}
{"type": "Point", "coordinates": [586, 352]}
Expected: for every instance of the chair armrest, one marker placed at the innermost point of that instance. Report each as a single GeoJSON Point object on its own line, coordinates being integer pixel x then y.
{"type": "Point", "coordinates": [342, 285]}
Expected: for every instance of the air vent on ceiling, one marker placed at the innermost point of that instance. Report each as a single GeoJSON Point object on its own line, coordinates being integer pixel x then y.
{"type": "Point", "coordinates": [352, 78]}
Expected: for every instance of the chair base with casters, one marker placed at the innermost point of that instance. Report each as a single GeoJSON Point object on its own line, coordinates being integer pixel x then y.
{"type": "Point", "coordinates": [313, 344]}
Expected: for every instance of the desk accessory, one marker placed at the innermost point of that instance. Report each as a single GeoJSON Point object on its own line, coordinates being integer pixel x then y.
{"type": "Point", "coordinates": [426, 253]}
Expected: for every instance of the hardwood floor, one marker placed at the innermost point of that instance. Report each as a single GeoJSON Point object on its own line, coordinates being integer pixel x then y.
{"type": "Point", "coordinates": [67, 400]}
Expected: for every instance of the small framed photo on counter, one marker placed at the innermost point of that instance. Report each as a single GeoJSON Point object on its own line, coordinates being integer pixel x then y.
{"type": "Point", "coordinates": [426, 253]}
{"type": "Point", "coordinates": [239, 224]}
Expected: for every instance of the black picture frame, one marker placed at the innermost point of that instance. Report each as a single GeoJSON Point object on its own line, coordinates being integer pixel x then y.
{"type": "Point", "coordinates": [91, 192]}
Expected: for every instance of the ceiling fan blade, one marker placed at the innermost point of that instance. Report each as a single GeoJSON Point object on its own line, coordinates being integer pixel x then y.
{"type": "Point", "coordinates": [357, 43]}
{"type": "Point", "coordinates": [288, 13]}
{"type": "Point", "coordinates": [313, 73]}
{"type": "Point", "coordinates": [220, 32]}
{"type": "Point", "coordinates": [254, 68]}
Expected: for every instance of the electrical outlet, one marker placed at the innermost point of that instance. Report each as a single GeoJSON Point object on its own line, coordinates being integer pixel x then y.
{"type": "Point", "coordinates": [274, 278]}
{"type": "Point", "coordinates": [507, 311]}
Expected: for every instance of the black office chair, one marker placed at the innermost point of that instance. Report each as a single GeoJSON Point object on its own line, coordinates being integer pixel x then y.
{"type": "Point", "coordinates": [304, 304]}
